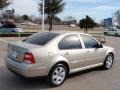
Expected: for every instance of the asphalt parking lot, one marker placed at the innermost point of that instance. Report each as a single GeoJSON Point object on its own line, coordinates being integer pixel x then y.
{"type": "Point", "coordinates": [93, 79]}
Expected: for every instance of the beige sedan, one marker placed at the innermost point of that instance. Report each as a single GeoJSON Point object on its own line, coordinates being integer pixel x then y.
{"type": "Point", "coordinates": [57, 55]}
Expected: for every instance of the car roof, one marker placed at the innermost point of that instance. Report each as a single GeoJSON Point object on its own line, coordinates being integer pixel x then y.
{"type": "Point", "coordinates": [65, 32]}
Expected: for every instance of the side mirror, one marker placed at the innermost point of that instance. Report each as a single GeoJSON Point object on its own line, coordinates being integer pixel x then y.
{"type": "Point", "coordinates": [100, 46]}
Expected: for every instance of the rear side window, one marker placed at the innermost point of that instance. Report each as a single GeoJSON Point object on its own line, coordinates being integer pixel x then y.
{"type": "Point", "coordinates": [41, 38]}
{"type": "Point", "coordinates": [89, 42]}
{"type": "Point", "coordinates": [70, 42]}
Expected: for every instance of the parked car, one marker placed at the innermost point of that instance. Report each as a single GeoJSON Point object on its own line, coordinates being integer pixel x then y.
{"type": "Point", "coordinates": [112, 31]}
{"type": "Point", "coordinates": [57, 55]}
{"type": "Point", "coordinates": [72, 25]}
{"type": "Point", "coordinates": [29, 24]}
{"type": "Point", "coordinates": [9, 28]}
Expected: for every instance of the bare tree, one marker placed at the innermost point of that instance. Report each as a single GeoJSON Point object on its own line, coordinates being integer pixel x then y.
{"type": "Point", "coordinates": [4, 3]}
{"type": "Point", "coordinates": [117, 17]}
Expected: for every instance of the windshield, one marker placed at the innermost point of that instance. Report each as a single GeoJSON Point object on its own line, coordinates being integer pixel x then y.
{"type": "Point", "coordinates": [41, 38]}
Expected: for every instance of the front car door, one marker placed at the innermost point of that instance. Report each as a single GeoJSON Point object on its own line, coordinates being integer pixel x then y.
{"type": "Point", "coordinates": [112, 31]}
{"type": "Point", "coordinates": [93, 53]}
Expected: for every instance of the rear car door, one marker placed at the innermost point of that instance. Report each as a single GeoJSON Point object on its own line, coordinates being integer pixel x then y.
{"type": "Point", "coordinates": [70, 48]}
{"type": "Point", "coordinates": [112, 31]}
{"type": "Point", "coordinates": [94, 54]}
{"type": "Point", "coordinates": [109, 32]}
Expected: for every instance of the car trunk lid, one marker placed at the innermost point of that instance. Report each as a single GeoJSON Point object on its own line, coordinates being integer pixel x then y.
{"type": "Point", "coordinates": [16, 51]}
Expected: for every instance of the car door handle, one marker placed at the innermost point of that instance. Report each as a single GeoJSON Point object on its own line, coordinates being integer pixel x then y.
{"type": "Point", "coordinates": [67, 53]}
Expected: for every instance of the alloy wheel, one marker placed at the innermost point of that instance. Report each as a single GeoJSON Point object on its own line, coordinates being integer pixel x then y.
{"type": "Point", "coordinates": [58, 75]}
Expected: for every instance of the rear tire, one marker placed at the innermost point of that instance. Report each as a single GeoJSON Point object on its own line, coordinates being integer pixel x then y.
{"type": "Point", "coordinates": [57, 75]}
{"type": "Point", "coordinates": [108, 63]}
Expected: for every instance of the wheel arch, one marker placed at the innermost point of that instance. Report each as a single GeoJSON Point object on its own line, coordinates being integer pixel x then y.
{"type": "Point", "coordinates": [111, 54]}
{"type": "Point", "coordinates": [110, 50]}
{"type": "Point", "coordinates": [61, 62]}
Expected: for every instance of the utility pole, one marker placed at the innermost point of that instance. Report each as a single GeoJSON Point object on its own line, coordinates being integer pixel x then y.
{"type": "Point", "coordinates": [43, 17]}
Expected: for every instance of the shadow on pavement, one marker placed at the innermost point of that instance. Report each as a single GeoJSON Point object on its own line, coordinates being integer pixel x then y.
{"type": "Point", "coordinates": [14, 82]}
{"type": "Point", "coordinates": [7, 79]}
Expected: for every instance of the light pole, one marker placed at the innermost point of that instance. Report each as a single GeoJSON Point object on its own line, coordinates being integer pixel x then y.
{"type": "Point", "coordinates": [43, 16]}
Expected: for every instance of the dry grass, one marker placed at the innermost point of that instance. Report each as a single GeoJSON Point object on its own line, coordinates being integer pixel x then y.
{"type": "Point", "coordinates": [96, 32]}
{"type": "Point", "coordinates": [60, 28]}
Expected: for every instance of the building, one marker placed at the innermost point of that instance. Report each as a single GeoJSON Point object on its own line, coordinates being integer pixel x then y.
{"type": "Point", "coordinates": [8, 14]}
{"type": "Point", "coordinates": [108, 22]}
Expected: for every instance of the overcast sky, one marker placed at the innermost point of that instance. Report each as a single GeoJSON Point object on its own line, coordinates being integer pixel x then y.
{"type": "Point", "coordinates": [97, 9]}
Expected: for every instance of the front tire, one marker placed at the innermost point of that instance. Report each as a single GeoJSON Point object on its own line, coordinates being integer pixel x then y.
{"type": "Point", "coordinates": [57, 75]}
{"type": "Point", "coordinates": [105, 33]}
{"type": "Point", "coordinates": [108, 62]}
{"type": "Point", "coordinates": [116, 34]}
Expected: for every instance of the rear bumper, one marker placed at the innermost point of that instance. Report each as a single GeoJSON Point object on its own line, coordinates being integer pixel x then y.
{"type": "Point", "coordinates": [26, 70]}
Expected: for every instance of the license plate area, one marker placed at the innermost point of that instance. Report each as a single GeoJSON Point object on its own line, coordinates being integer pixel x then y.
{"type": "Point", "coordinates": [16, 53]}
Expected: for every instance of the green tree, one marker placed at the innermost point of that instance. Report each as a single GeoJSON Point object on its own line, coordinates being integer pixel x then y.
{"type": "Point", "coordinates": [52, 8]}
{"type": "Point", "coordinates": [87, 23]}
{"type": "Point", "coordinates": [56, 20]}
{"type": "Point", "coordinates": [25, 17]}
{"type": "Point", "coordinates": [4, 3]}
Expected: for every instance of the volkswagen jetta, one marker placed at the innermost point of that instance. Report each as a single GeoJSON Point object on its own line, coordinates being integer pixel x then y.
{"type": "Point", "coordinates": [57, 55]}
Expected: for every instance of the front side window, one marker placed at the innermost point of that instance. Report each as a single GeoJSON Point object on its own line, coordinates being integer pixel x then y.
{"type": "Point", "coordinates": [110, 30]}
{"type": "Point", "coordinates": [89, 42]}
{"type": "Point", "coordinates": [70, 42]}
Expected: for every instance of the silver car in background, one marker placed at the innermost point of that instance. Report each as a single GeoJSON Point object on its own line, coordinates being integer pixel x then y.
{"type": "Point", "coordinates": [112, 31]}
{"type": "Point", "coordinates": [57, 55]}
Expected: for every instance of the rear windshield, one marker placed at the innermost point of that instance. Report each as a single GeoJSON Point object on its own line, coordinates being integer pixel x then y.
{"type": "Point", "coordinates": [41, 38]}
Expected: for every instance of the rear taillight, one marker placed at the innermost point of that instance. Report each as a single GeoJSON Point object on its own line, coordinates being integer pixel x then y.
{"type": "Point", "coordinates": [29, 58]}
